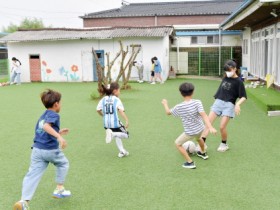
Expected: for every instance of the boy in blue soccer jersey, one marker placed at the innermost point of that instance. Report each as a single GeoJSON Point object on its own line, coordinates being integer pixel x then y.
{"type": "Point", "coordinates": [109, 107]}
{"type": "Point", "coordinates": [47, 148]}
{"type": "Point", "coordinates": [192, 115]}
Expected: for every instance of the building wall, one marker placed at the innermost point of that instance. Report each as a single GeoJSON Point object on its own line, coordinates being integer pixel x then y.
{"type": "Point", "coordinates": [265, 53]}
{"type": "Point", "coordinates": [246, 55]}
{"type": "Point", "coordinates": [72, 61]}
{"type": "Point", "coordinates": [153, 21]}
{"type": "Point", "coordinates": [204, 59]}
{"type": "Point", "coordinates": [227, 40]}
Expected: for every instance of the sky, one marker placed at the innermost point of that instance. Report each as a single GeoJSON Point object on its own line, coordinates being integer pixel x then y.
{"type": "Point", "coordinates": [57, 13]}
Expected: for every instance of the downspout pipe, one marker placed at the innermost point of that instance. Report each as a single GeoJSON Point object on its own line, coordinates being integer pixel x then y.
{"type": "Point", "coordinates": [220, 48]}
{"type": "Point", "coordinates": [178, 53]}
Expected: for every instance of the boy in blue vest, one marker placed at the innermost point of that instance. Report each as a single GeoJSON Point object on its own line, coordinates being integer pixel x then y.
{"type": "Point", "coordinates": [47, 148]}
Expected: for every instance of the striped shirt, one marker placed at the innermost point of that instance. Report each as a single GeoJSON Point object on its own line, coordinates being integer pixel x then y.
{"type": "Point", "coordinates": [109, 105]}
{"type": "Point", "coordinates": [189, 112]}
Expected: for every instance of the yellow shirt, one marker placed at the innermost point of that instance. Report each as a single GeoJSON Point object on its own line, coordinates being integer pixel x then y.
{"type": "Point", "coordinates": [153, 67]}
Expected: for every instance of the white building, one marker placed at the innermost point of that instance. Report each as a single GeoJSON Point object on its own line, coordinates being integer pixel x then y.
{"type": "Point", "coordinates": [203, 38]}
{"type": "Point", "coordinates": [260, 22]}
{"type": "Point", "coordinates": [65, 55]}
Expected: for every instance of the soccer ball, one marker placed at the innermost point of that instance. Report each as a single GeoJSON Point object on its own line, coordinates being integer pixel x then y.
{"type": "Point", "coordinates": [189, 147]}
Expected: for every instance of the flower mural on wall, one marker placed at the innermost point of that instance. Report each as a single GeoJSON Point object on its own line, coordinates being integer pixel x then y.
{"type": "Point", "coordinates": [74, 69]}
{"type": "Point", "coordinates": [63, 72]}
{"type": "Point", "coordinates": [49, 75]}
{"type": "Point", "coordinates": [46, 72]}
{"type": "Point", "coordinates": [44, 63]}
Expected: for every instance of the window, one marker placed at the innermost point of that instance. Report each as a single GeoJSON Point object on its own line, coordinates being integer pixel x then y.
{"type": "Point", "coordinates": [34, 56]}
{"type": "Point", "coordinates": [210, 40]}
{"type": "Point", "coordinates": [194, 40]}
{"type": "Point", "coordinates": [204, 40]}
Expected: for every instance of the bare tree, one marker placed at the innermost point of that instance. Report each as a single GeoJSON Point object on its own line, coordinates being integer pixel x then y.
{"type": "Point", "coordinates": [125, 75]}
{"type": "Point", "coordinates": [110, 65]}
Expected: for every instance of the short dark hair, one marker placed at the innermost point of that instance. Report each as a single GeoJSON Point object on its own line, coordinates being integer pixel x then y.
{"type": "Point", "coordinates": [229, 64]}
{"type": "Point", "coordinates": [186, 89]}
{"type": "Point", "coordinates": [50, 97]}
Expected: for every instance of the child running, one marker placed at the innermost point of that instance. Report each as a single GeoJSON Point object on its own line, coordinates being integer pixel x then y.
{"type": "Point", "coordinates": [109, 107]}
{"type": "Point", "coordinates": [192, 115]}
{"type": "Point", "coordinates": [47, 148]}
{"type": "Point", "coordinates": [225, 105]}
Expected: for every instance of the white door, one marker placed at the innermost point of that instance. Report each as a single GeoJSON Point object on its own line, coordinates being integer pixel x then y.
{"type": "Point", "coordinates": [87, 66]}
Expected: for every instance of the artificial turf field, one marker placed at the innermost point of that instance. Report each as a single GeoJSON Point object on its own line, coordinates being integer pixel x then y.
{"type": "Point", "coordinates": [151, 177]}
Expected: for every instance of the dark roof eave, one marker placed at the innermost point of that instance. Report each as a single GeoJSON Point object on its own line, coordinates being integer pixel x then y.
{"type": "Point", "coordinates": [152, 15]}
{"type": "Point", "coordinates": [237, 12]}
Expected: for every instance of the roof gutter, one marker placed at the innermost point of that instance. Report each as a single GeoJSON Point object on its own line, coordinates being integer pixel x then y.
{"type": "Point", "coordinates": [237, 12]}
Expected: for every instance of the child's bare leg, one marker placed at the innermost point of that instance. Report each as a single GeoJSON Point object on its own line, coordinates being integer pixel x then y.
{"type": "Point", "coordinates": [184, 153]}
{"type": "Point", "coordinates": [212, 116]}
{"type": "Point", "coordinates": [223, 127]}
{"type": "Point", "coordinates": [201, 144]}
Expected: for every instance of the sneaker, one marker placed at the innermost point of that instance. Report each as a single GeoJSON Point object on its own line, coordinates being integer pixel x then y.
{"type": "Point", "coordinates": [189, 165]}
{"type": "Point", "coordinates": [204, 156]}
{"type": "Point", "coordinates": [62, 193]}
{"type": "Point", "coordinates": [108, 136]}
{"type": "Point", "coordinates": [123, 154]}
{"type": "Point", "coordinates": [153, 83]}
{"type": "Point", "coordinates": [21, 205]}
{"type": "Point", "coordinates": [140, 81]}
{"type": "Point", "coordinates": [223, 147]}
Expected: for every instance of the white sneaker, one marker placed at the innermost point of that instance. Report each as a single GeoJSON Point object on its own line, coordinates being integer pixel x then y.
{"type": "Point", "coordinates": [123, 154]}
{"type": "Point", "coordinates": [109, 133]}
{"type": "Point", "coordinates": [62, 193]}
{"type": "Point", "coordinates": [153, 83]}
{"type": "Point", "coordinates": [198, 149]}
{"type": "Point", "coordinates": [223, 147]}
{"type": "Point", "coordinates": [140, 81]}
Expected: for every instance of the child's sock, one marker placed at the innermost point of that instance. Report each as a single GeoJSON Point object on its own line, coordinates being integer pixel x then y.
{"type": "Point", "coordinates": [119, 144]}
{"type": "Point", "coordinates": [224, 141]}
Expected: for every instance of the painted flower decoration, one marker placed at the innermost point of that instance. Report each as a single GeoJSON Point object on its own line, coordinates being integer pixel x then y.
{"type": "Point", "coordinates": [48, 71]}
{"type": "Point", "coordinates": [74, 68]}
{"type": "Point", "coordinates": [44, 63]}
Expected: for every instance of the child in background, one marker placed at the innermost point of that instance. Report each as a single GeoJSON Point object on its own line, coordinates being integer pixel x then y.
{"type": "Point", "coordinates": [16, 71]}
{"type": "Point", "coordinates": [109, 107]}
{"type": "Point", "coordinates": [158, 70]}
{"type": "Point", "coordinates": [153, 72]}
{"type": "Point", "coordinates": [140, 68]}
{"type": "Point", "coordinates": [47, 148]}
{"type": "Point", "coordinates": [231, 88]}
{"type": "Point", "coordinates": [192, 115]}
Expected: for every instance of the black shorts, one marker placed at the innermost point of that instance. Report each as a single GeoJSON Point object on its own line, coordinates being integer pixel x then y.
{"type": "Point", "coordinates": [152, 73]}
{"type": "Point", "coordinates": [120, 129]}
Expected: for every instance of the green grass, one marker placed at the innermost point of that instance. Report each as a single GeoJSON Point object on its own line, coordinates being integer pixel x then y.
{"type": "Point", "coordinates": [3, 78]}
{"type": "Point", "coordinates": [246, 177]}
{"type": "Point", "coordinates": [267, 99]}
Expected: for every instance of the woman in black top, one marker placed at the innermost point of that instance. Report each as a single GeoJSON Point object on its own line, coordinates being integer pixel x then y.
{"type": "Point", "coordinates": [225, 105]}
